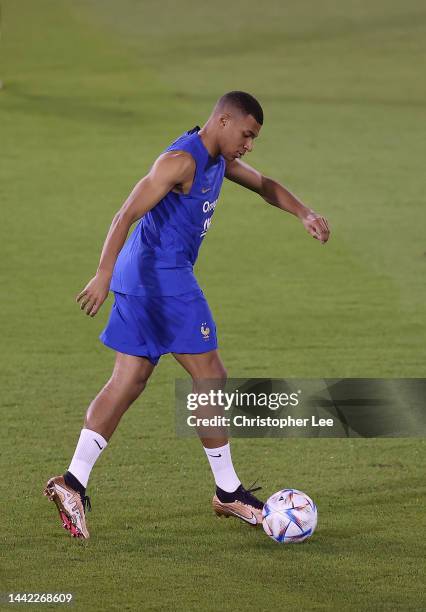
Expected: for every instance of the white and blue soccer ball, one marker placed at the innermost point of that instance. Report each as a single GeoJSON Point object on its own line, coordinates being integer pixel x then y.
{"type": "Point", "coordinates": [289, 516]}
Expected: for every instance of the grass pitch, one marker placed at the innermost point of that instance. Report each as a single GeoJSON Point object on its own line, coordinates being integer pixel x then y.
{"type": "Point", "coordinates": [93, 91]}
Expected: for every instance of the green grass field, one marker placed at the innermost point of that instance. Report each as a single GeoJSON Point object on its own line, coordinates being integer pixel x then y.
{"type": "Point", "coordinates": [93, 91]}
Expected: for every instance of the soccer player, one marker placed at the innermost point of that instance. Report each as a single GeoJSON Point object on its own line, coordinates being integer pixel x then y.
{"type": "Point", "coordinates": [158, 306]}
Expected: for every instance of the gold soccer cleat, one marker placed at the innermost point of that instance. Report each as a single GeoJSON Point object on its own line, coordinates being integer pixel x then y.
{"type": "Point", "coordinates": [71, 506]}
{"type": "Point", "coordinates": [241, 504]}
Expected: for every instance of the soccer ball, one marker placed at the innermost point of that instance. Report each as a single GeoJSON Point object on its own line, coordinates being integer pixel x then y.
{"type": "Point", "coordinates": [289, 516]}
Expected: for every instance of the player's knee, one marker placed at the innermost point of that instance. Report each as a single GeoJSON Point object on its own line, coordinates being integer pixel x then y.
{"type": "Point", "coordinates": [132, 385]}
{"type": "Point", "coordinates": [221, 372]}
{"type": "Point", "coordinates": [215, 371]}
{"type": "Point", "coordinates": [136, 387]}
{"type": "Point", "coordinates": [139, 380]}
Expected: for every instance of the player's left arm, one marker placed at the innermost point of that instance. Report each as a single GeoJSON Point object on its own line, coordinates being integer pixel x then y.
{"type": "Point", "coordinates": [276, 194]}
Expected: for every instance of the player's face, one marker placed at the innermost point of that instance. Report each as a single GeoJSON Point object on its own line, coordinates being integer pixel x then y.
{"type": "Point", "coordinates": [237, 135]}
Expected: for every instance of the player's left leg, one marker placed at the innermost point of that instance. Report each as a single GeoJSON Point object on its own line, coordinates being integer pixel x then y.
{"type": "Point", "coordinates": [231, 499]}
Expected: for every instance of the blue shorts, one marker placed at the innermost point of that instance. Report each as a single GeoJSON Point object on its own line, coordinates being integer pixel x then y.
{"type": "Point", "coordinates": [153, 326]}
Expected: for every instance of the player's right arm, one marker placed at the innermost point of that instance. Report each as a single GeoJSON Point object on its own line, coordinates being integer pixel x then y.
{"type": "Point", "coordinates": [169, 170]}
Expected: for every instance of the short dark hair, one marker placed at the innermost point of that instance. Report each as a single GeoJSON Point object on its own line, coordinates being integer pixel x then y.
{"type": "Point", "coordinates": [244, 102]}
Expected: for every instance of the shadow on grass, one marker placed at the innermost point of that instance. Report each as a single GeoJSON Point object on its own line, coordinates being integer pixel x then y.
{"type": "Point", "coordinates": [18, 100]}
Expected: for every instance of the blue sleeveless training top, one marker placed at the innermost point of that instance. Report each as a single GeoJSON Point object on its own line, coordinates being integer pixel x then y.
{"type": "Point", "coordinates": [159, 256]}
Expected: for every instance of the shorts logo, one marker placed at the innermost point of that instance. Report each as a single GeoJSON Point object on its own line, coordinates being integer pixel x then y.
{"type": "Point", "coordinates": [205, 331]}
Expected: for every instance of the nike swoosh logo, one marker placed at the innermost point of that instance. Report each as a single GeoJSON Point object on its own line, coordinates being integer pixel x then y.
{"type": "Point", "coordinates": [252, 520]}
{"type": "Point", "coordinates": [205, 189]}
{"type": "Point", "coordinates": [96, 442]}
{"type": "Point", "coordinates": [215, 455]}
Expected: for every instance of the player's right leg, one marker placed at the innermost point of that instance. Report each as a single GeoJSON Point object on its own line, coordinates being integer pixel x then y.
{"type": "Point", "coordinates": [68, 491]}
{"type": "Point", "coordinates": [231, 498]}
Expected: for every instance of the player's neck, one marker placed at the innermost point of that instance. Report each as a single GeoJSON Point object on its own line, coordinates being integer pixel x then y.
{"type": "Point", "coordinates": [208, 139]}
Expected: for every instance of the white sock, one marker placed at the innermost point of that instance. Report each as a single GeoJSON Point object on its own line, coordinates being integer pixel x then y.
{"type": "Point", "coordinates": [89, 447]}
{"type": "Point", "coordinates": [223, 471]}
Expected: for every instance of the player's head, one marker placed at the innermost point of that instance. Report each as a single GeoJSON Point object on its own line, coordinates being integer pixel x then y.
{"type": "Point", "coordinates": [238, 118]}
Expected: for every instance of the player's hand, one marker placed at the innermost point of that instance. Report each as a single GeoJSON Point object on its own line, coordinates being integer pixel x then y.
{"type": "Point", "coordinates": [317, 226]}
{"type": "Point", "coordinates": [94, 294]}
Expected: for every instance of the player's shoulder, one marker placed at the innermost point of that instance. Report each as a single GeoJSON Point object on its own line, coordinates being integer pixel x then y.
{"type": "Point", "coordinates": [180, 158]}
{"type": "Point", "coordinates": [177, 162]}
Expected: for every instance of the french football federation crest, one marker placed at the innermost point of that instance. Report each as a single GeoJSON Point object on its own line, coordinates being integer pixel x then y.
{"type": "Point", "coordinates": [205, 331]}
